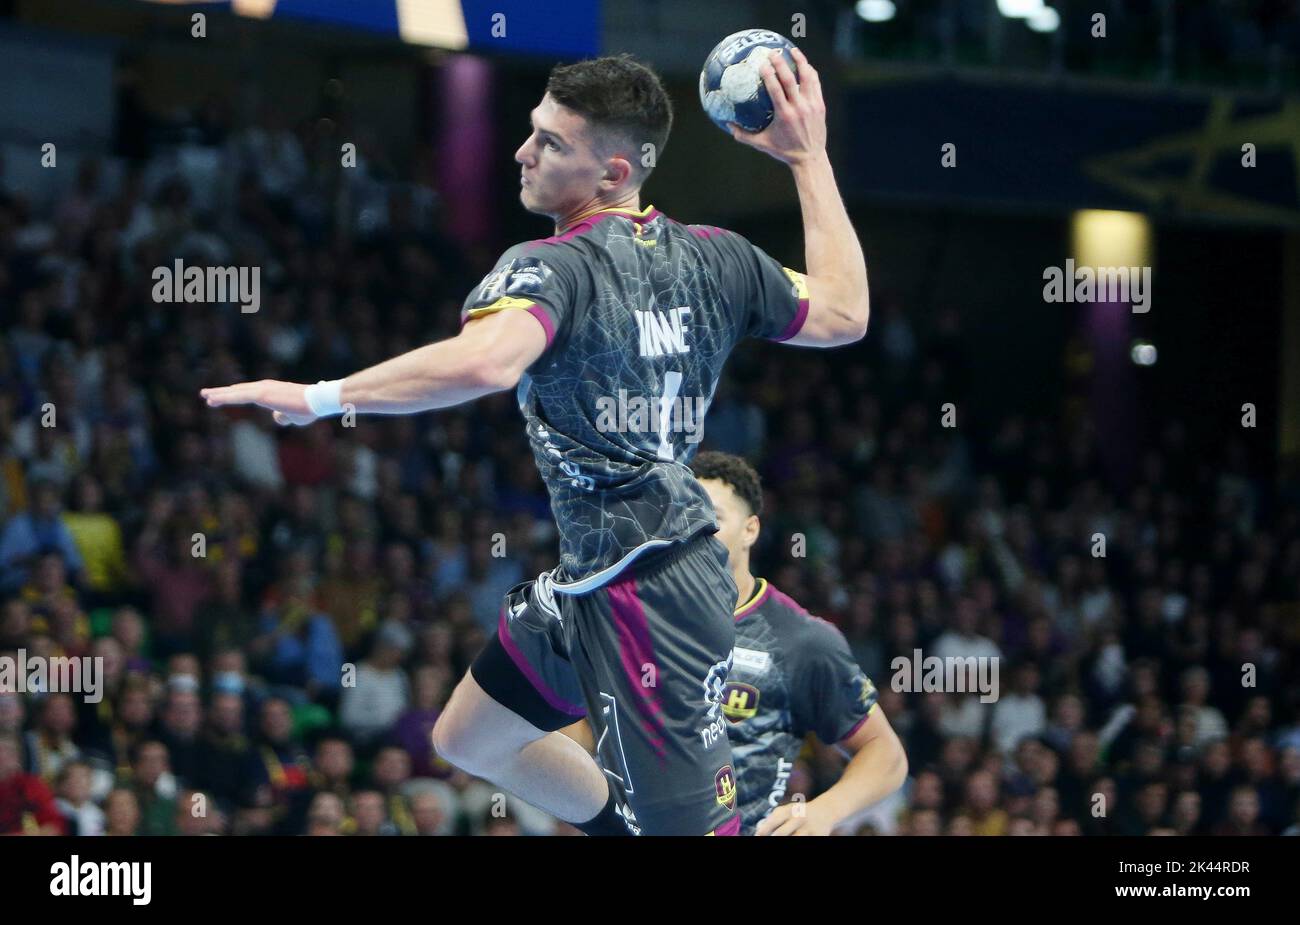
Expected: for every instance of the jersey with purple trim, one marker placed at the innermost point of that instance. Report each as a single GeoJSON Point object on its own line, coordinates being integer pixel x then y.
{"type": "Point", "coordinates": [791, 674]}
{"type": "Point", "coordinates": [640, 314]}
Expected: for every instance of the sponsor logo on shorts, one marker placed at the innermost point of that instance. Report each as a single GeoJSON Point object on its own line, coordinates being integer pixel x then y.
{"type": "Point", "coordinates": [739, 701]}
{"type": "Point", "coordinates": [544, 594]}
{"type": "Point", "coordinates": [710, 734]}
{"type": "Point", "coordinates": [714, 682]}
{"type": "Point", "coordinates": [516, 609]}
{"type": "Point", "coordinates": [629, 818]}
{"type": "Point", "coordinates": [724, 783]}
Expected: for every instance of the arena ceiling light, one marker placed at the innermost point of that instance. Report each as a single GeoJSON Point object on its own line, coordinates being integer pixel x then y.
{"type": "Point", "coordinates": [875, 10]}
{"type": "Point", "coordinates": [258, 9]}
{"type": "Point", "coordinates": [1045, 20]}
{"type": "Point", "coordinates": [1143, 353]}
{"type": "Point", "coordinates": [1019, 9]}
{"type": "Point", "coordinates": [440, 23]}
{"type": "Point", "coordinates": [1108, 238]}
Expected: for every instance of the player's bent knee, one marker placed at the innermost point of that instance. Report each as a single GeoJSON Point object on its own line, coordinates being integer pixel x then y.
{"type": "Point", "coordinates": [455, 737]}
{"type": "Point", "coordinates": [475, 733]}
{"type": "Point", "coordinates": [446, 741]}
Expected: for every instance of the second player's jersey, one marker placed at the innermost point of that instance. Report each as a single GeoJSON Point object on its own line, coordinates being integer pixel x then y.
{"type": "Point", "coordinates": [791, 674]}
{"type": "Point", "coordinates": [640, 313]}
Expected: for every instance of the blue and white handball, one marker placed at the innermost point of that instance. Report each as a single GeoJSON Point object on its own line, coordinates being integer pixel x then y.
{"type": "Point", "coordinates": [731, 86]}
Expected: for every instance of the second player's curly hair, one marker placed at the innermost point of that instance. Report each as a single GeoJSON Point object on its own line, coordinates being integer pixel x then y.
{"type": "Point", "coordinates": [735, 472]}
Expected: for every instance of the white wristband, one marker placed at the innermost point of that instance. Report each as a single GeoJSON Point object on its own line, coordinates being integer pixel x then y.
{"type": "Point", "coordinates": [324, 398]}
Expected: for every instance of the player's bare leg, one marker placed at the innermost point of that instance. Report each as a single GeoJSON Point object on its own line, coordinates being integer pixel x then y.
{"type": "Point", "coordinates": [547, 769]}
{"type": "Point", "coordinates": [581, 733]}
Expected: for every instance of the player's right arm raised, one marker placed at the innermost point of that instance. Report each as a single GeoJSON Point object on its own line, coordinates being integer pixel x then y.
{"type": "Point", "coordinates": [838, 299]}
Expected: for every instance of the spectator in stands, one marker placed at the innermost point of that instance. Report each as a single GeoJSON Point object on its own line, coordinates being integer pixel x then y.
{"type": "Point", "coordinates": [154, 788]}
{"type": "Point", "coordinates": [98, 538]}
{"type": "Point", "coordinates": [429, 811]}
{"type": "Point", "coordinates": [27, 806]}
{"type": "Point", "coordinates": [369, 708]}
{"type": "Point", "coordinates": [226, 758]}
{"type": "Point", "coordinates": [82, 815]}
{"type": "Point", "coordinates": [29, 535]}
{"type": "Point", "coordinates": [325, 817]}
{"type": "Point", "coordinates": [280, 764]}
{"type": "Point", "coordinates": [180, 726]}
{"type": "Point", "coordinates": [413, 730]}
{"type": "Point", "coordinates": [121, 813]}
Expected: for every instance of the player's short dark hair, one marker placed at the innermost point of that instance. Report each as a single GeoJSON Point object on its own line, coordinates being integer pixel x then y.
{"type": "Point", "coordinates": [617, 95]}
{"type": "Point", "coordinates": [734, 472]}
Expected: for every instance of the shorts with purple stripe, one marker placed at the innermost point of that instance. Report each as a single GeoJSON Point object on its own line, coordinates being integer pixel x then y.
{"type": "Point", "coordinates": [526, 665]}
{"type": "Point", "coordinates": [645, 658]}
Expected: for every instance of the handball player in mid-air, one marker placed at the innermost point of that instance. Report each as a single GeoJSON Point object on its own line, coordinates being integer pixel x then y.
{"type": "Point", "coordinates": [621, 301]}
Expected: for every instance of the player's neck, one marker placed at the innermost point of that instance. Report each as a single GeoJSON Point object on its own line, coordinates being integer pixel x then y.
{"type": "Point", "coordinates": [586, 210]}
{"type": "Point", "coordinates": [744, 586]}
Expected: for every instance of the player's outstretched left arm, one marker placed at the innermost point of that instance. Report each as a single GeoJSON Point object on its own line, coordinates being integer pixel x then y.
{"type": "Point", "coordinates": [878, 768]}
{"type": "Point", "coordinates": [489, 355]}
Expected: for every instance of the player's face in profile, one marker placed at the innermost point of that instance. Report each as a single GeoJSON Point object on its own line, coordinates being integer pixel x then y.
{"type": "Point", "coordinates": [734, 529]}
{"type": "Point", "coordinates": [559, 169]}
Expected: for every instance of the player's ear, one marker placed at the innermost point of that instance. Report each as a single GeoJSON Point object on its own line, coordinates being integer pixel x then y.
{"type": "Point", "coordinates": [752, 528]}
{"type": "Point", "coordinates": [618, 170]}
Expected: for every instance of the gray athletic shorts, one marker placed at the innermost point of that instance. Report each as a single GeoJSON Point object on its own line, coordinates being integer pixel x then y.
{"type": "Point", "coordinates": [644, 659]}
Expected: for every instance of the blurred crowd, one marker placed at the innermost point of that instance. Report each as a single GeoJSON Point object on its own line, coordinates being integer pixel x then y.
{"type": "Point", "coordinates": [282, 613]}
{"type": "Point", "coordinates": [1219, 42]}
{"type": "Point", "coordinates": [1146, 626]}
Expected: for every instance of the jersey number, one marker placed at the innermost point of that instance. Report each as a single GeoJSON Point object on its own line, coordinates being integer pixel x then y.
{"type": "Point", "coordinates": [610, 738]}
{"type": "Point", "coordinates": [672, 385]}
